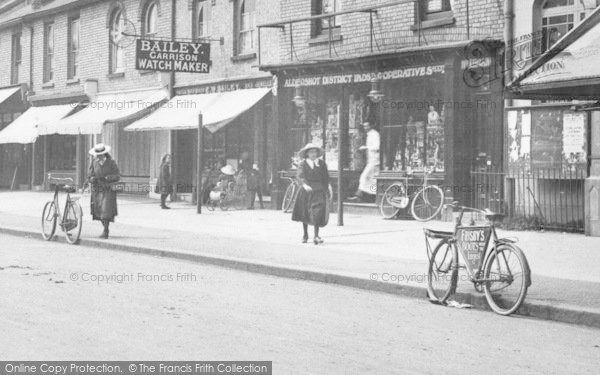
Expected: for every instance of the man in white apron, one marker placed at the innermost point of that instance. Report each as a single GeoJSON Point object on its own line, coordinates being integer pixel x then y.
{"type": "Point", "coordinates": [367, 188]}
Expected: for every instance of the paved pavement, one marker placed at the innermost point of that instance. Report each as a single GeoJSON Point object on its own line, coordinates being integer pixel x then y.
{"type": "Point", "coordinates": [367, 252]}
{"type": "Point", "coordinates": [80, 303]}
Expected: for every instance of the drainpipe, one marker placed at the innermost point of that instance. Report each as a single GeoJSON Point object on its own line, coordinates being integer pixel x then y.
{"type": "Point", "coordinates": [509, 16]}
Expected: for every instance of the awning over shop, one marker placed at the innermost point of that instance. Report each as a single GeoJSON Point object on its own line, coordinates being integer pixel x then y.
{"type": "Point", "coordinates": [107, 108]}
{"type": "Point", "coordinates": [218, 109]}
{"type": "Point", "coordinates": [568, 70]}
{"type": "Point", "coordinates": [25, 128]}
{"type": "Point", "coordinates": [7, 92]}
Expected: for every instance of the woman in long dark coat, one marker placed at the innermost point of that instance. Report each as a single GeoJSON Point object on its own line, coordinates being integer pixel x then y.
{"type": "Point", "coordinates": [311, 207]}
{"type": "Point", "coordinates": [165, 182]}
{"type": "Point", "coordinates": [103, 174]}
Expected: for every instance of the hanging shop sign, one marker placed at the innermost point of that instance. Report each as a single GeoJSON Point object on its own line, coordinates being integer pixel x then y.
{"type": "Point", "coordinates": [337, 79]}
{"type": "Point", "coordinates": [171, 56]}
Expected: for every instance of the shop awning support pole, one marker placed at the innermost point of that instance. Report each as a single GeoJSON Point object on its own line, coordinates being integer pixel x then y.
{"type": "Point", "coordinates": [32, 165]}
{"type": "Point", "coordinates": [199, 166]}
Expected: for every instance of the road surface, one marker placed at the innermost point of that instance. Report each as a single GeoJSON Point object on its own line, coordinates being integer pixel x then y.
{"type": "Point", "coordinates": [63, 302]}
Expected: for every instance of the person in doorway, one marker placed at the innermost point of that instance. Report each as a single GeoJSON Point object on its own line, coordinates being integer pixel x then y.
{"type": "Point", "coordinates": [311, 207]}
{"type": "Point", "coordinates": [103, 174]}
{"type": "Point", "coordinates": [165, 182]}
{"type": "Point", "coordinates": [254, 186]}
{"type": "Point", "coordinates": [367, 184]}
{"type": "Point", "coordinates": [245, 165]}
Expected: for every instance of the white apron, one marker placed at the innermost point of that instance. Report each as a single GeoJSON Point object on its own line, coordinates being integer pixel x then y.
{"type": "Point", "coordinates": [368, 183]}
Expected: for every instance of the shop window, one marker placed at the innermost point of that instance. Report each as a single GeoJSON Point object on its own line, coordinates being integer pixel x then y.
{"type": "Point", "coordinates": [73, 48]}
{"type": "Point", "coordinates": [246, 26]}
{"type": "Point", "coordinates": [117, 26]}
{"type": "Point", "coordinates": [15, 58]}
{"type": "Point", "coordinates": [48, 51]}
{"type": "Point", "coordinates": [547, 139]}
{"type": "Point", "coordinates": [324, 26]}
{"type": "Point", "coordinates": [201, 19]}
{"type": "Point", "coordinates": [150, 24]}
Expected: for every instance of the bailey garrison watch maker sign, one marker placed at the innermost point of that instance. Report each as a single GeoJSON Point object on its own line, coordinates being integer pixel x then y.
{"type": "Point", "coordinates": [172, 56]}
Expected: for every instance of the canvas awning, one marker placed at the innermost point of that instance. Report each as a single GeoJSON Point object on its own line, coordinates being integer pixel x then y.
{"type": "Point", "coordinates": [25, 128]}
{"type": "Point", "coordinates": [568, 70]}
{"type": "Point", "coordinates": [107, 108]}
{"type": "Point", "coordinates": [218, 109]}
{"type": "Point", "coordinates": [7, 92]}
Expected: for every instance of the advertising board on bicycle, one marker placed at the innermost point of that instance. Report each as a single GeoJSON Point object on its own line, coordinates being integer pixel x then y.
{"type": "Point", "coordinates": [472, 242]}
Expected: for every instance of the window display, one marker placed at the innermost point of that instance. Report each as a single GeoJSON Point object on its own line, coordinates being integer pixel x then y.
{"type": "Point", "coordinates": [418, 144]}
{"type": "Point", "coordinates": [548, 138]}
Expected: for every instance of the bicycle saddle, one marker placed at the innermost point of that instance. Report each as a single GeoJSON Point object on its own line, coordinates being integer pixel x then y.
{"type": "Point", "coordinates": [493, 216]}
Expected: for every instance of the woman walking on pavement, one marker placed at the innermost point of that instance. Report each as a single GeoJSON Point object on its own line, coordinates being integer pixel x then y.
{"type": "Point", "coordinates": [311, 206]}
{"type": "Point", "coordinates": [165, 182]}
{"type": "Point", "coordinates": [103, 174]}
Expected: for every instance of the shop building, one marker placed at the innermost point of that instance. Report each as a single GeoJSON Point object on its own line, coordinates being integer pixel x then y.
{"type": "Point", "coordinates": [566, 128]}
{"type": "Point", "coordinates": [75, 53]}
{"type": "Point", "coordinates": [405, 67]}
{"type": "Point", "coordinates": [547, 136]}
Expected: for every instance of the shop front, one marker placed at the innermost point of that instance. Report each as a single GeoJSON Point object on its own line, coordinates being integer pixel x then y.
{"type": "Point", "coordinates": [430, 121]}
{"type": "Point", "coordinates": [15, 159]}
{"type": "Point", "coordinates": [236, 116]}
{"type": "Point", "coordinates": [556, 139]}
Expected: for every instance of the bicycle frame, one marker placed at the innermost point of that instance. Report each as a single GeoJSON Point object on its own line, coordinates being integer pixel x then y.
{"type": "Point", "coordinates": [480, 236]}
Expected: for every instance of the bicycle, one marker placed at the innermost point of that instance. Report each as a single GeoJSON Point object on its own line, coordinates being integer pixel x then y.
{"type": "Point", "coordinates": [291, 194]}
{"type": "Point", "coordinates": [425, 204]}
{"type": "Point", "coordinates": [72, 219]}
{"type": "Point", "coordinates": [492, 269]}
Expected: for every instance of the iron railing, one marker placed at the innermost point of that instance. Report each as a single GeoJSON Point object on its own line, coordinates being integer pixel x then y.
{"type": "Point", "coordinates": [533, 198]}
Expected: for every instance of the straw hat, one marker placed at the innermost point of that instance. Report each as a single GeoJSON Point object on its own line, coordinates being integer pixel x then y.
{"type": "Point", "coordinates": [228, 170]}
{"type": "Point", "coordinates": [99, 149]}
{"type": "Point", "coordinates": [310, 146]}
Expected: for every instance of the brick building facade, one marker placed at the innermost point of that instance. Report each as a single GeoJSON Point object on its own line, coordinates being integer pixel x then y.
{"type": "Point", "coordinates": [104, 75]}
{"type": "Point", "coordinates": [417, 58]}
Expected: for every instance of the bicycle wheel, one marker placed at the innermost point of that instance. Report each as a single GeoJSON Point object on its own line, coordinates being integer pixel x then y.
{"type": "Point", "coordinates": [507, 275]}
{"type": "Point", "coordinates": [288, 198]}
{"type": "Point", "coordinates": [428, 203]}
{"type": "Point", "coordinates": [442, 276]}
{"type": "Point", "coordinates": [49, 220]}
{"type": "Point", "coordinates": [393, 196]}
{"type": "Point", "coordinates": [72, 223]}
{"type": "Point", "coordinates": [210, 205]}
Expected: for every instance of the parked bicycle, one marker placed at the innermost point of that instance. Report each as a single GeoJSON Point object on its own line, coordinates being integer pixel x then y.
{"type": "Point", "coordinates": [291, 194]}
{"type": "Point", "coordinates": [425, 203]}
{"type": "Point", "coordinates": [500, 270]}
{"type": "Point", "coordinates": [70, 220]}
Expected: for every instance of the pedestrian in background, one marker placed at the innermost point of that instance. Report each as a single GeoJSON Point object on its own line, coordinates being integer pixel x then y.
{"type": "Point", "coordinates": [311, 207]}
{"type": "Point", "coordinates": [254, 186]}
{"type": "Point", "coordinates": [165, 182]}
{"type": "Point", "coordinates": [103, 174]}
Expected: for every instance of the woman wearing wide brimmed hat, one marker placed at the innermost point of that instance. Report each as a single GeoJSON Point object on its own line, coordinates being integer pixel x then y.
{"type": "Point", "coordinates": [103, 174]}
{"type": "Point", "coordinates": [311, 207]}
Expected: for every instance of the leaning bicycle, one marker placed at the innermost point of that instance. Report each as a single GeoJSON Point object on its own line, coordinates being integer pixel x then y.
{"type": "Point", "coordinates": [495, 266]}
{"type": "Point", "coordinates": [70, 220]}
{"type": "Point", "coordinates": [425, 203]}
{"type": "Point", "coordinates": [291, 194]}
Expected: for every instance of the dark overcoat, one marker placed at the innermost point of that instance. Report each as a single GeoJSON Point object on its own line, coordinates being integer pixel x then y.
{"type": "Point", "coordinates": [312, 208]}
{"type": "Point", "coordinates": [104, 195]}
{"type": "Point", "coordinates": [165, 182]}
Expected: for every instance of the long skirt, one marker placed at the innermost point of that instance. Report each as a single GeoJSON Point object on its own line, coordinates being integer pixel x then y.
{"type": "Point", "coordinates": [103, 203]}
{"type": "Point", "coordinates": [312, 208]}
